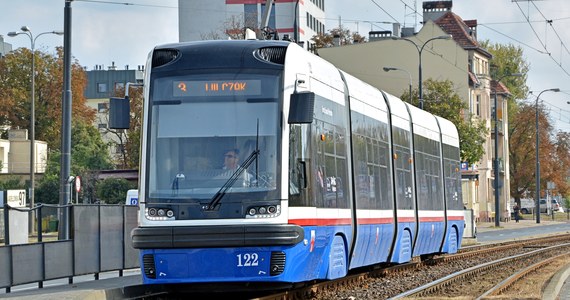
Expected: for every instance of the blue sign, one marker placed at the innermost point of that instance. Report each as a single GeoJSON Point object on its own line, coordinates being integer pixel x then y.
{"type": "Point", "coordinates": [134, 201]}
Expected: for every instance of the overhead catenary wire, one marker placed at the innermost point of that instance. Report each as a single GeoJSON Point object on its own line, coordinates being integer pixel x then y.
{"type": "Point", "coordinates": [559, 64]}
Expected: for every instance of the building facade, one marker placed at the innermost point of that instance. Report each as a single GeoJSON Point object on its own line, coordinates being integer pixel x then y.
{"type": "Point", "coordinates": [460, 60]}
{"type": "Point", "coordinates": [103, 84]}
{"type": "Point", "coordinates": [15, 154]}
{"type": "Point", "coordinates": [214, 19]}
{"type": "Point", "coordinates": [4, 47]}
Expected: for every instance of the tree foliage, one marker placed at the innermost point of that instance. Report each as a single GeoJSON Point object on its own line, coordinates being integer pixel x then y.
{"type": "Point", "coordinates": [89, 155]}
{"type": "Point", "coordinates": [554, 148]}
{"type": "Point", "coordinates": [15, 95]}
{"type": "Point", "coordinates": [554, 152]}
{"type": "Point", "coordinates": [113, 190]}
{"type": "Point", "coordinates": [235, 27]}
{"type": "Point", "coordinates": [509, 59]}
{"type": "Point", "coordinates": [559, 167]}
{"type": "Point", "coordinates": [441, 99]}
{"type": "Point", "coordinates": [128, 141]}
{"type": "Point", "coordinates": [344, 34]}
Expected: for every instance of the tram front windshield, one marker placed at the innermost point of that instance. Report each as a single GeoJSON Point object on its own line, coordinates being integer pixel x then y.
{"type": "Point", "coordinates": [212, 133]}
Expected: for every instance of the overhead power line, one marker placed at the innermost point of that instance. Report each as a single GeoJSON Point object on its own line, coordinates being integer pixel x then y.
{"type": "Point", "coordinates": [559, 64]}
{"type": "Point", "coordinates": [127, 3]}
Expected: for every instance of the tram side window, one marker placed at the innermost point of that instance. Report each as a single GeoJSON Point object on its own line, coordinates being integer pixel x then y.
{"type": "Point", "coordinates": [372, 170]}
{"type": "Point", "coordinates": [330, 165]}
{"type": "Point", "coordinates": [428, 172]}
{"type": "Point", "coordinates": [403, 165]}
{"type": "Point", "coordinates": [298, 195]}
{"type": "Point", "coordinates": [452, 178]}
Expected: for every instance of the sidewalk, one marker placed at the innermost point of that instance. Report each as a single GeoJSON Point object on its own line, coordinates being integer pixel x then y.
{"type": "Point", "coordinates": [528, 222]}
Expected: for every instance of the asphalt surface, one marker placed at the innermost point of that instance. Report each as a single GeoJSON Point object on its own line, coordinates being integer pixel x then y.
{"type": "Point", "coordinates": [508, 231]}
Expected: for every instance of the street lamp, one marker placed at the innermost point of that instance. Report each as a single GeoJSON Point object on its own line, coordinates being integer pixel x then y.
{"type": "Point", "coordinates": [26, 30]}
{"type": "Point", "coordinates": [420, 49]}
{"type": "Point", "coordinates": [496, 161]}
{"type": "Point", "coordinates": [537, 197]}
{"type": "Point", "coordinates": [387, 69]}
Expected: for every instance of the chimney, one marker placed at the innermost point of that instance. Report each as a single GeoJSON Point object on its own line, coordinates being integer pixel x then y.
{"type": "Point", "coordinates": [396, 29]}
{"type": "Point", "coordinates": [407, 31]}
{"type": "Point", "coordinates": [472, 24]}
{"type": "Point", "coordinates": [379, 35]}
{"type": "Point", "coordinates": [433, 10]}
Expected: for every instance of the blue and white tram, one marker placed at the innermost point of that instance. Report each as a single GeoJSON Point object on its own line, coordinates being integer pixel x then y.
{"type": "Point", "coordinates": [332, 173]}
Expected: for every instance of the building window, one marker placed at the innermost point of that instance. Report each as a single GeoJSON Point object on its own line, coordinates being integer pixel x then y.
{"type": "Point", "coordinates": [119, 86]}
{"type": "Point", "coordinates": [101, 87]}
{"type": "Point", "coordinates": [102, 107]}
{"type": "Point", "coordinates": [478, 105]}
{"type": "Point", "coordinates": [102, 126]}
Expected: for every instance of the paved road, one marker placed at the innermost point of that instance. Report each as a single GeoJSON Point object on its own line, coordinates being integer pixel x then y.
{"type": "Point", "coordinates": [514, 231]}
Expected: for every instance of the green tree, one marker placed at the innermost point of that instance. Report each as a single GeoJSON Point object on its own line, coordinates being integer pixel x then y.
{"type": "Point", "coordinates": [509, 59]}
{"type": "Point", "coordinates": [89, 155]}
{"type": "Point", "coordinates": [128, 141]}
{"type": "Point", "coordinates": [15, 96]}
{"type": "Point", "coordinates": [522, 149]}
{"type": "Point", "coordinates": [441, 99]}
{"type": "Point", "coordinates": [113, 190]}
{"type": "Point", "coordinates": [11, 183]}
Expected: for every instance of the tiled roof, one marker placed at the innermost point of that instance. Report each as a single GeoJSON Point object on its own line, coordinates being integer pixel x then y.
{"type": "Point", "coordinates": [473, 80]}
{"type": "Point", "coordinates": [499, 87]}
{"type": "Point", "coordinates": [461, 31]}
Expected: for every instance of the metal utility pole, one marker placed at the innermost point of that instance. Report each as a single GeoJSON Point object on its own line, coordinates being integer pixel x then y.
{"type": "Point", "coordinates": [496, 161]}
{"type": "Point", "coordinates": [64, 195]}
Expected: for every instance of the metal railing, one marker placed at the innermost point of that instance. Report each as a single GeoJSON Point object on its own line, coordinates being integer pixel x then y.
{"type": "Point", "coordinates": [99, 242]}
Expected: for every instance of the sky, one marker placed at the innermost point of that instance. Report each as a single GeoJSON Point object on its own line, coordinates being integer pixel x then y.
{"type": "Point", "coordinates": [124, 31]}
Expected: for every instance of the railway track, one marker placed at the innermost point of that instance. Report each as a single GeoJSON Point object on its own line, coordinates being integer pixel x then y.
{"type": "Point", "coordinates": [453, 284]}
{"type": "Point", "coordinates": [397, 281]}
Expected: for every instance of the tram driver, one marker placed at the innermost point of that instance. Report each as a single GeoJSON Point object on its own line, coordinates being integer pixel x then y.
{"type": "Point", "coordinates": [231, 163]}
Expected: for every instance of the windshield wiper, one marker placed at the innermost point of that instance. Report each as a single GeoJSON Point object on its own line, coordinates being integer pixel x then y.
{"type": "Point", "coordinates": [176, 182]}
{"type": "Point", "coordinates": [230, 182]}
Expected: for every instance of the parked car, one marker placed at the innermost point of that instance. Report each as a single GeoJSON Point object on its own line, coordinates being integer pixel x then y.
{"type": "Point", "coordinates": [555, 206]}
{"type": "Point", "coordinates": [527, 206]}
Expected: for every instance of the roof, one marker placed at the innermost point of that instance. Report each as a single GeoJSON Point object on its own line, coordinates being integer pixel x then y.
{"type": "Point", "coordinates": [461, 32]}
{"type": "Point", "coordinates": [499, 87]}
{"type": "Point", "coordinates": [131, 175]}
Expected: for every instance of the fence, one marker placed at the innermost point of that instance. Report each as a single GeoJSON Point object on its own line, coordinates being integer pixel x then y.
{"type": "Point", "coordinates": [99, 242]}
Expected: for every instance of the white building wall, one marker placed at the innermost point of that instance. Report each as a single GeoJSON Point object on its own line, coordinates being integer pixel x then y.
{"type": "Point", "coordinates": [19, 157]}
{"type": "Point", "coordinates": [4, 151]}
{"type": "Point", "coordinates": [199, 20]}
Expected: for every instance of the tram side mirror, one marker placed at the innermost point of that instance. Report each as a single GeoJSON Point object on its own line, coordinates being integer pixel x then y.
{"type": "Point", "coordinates": [119, 113]}
{"type": "Point", "coordinates": [301, 108]}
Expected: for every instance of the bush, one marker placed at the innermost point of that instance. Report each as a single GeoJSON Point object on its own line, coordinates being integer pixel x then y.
{"type": "Point", "coordinates": [113, 190]}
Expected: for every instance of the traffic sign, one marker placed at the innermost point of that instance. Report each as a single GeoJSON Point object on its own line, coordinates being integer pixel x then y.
{"type": "Point", "coordinates": [77, 183]}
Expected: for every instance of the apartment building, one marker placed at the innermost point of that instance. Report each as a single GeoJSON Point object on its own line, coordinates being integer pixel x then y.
{"type": "Point", "coordinates": [102, 84]}
{"type": "Point", "coordinates": [297, 20]}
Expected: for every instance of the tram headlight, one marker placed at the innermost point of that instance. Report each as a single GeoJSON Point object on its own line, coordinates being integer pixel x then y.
{"type": "Point", "coordinates": [159, 214]}
{"type": "Point", "coordinates": [268, 211]}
